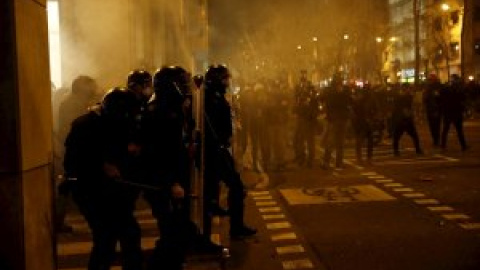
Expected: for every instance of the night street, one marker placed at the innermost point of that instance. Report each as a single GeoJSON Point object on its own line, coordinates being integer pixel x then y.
{"type": "Point", "coordinates": [402, 213]}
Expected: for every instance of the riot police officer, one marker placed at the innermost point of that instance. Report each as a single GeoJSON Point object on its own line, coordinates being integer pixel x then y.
{"type": "Point", "coordinates": [306, 110]}
{"type": "Point", "coordinates": [167, 128]}
{"type": "Point", "coordinates": [403, 120]}
{"type": "Point", "coordinates": [97, 158]}
{"type": "Point", "coordinates": [219, 164]}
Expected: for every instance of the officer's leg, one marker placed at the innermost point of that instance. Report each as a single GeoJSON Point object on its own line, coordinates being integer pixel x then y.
{"type": "Point", "coordinates": [397, 134]}
{"type": "Point", "coordinates": [340, 130]}
{"type": "Point", "coordinates": [412, 132]}
{"type": "Point", "coordinates": [459, 128]}
{"type": "Point", "coordinates": [168, 253]}
{"type": "Point", "coordinates": [446, 127]}
{"type": "Point", "coordinates": [369, 135]}
{"type": "Point", "coordinates": [129, 232]}
{"type": "Point", "coordinates": [358, 144]}
{"type": "Point", "coordinates": [327, 155]}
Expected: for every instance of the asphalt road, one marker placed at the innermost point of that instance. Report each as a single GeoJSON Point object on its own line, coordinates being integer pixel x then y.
{"type": "Point", "coordinates": [401, 213]}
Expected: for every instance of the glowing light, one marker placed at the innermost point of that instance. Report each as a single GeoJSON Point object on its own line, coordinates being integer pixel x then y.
{"type": "Point", "coordinates": [379, 39]}
{"type": "Point", "coordinates": [315, 39]}
{"type": "Point", "coordinates": [393, 39]}
{"type": "Point", "coordinates": [299, 47]}
{"type": "Point", "coordinates": [471, 78]}
{"type": "Point", "coordinates": [346, 36]}
{"type": "Point", "coordinates": [445, 7]}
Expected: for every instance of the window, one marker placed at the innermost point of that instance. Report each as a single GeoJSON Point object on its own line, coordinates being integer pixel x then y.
{"type": "Point", "coordinates": [454, 49]}
{"type": "Point", "coordinates": [455, 16]}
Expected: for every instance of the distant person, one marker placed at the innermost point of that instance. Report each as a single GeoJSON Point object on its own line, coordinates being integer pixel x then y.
{"type": "Point", "coordinates": [403, 120]}
{"type": "Point", "coordinates": [432, 105]}
{"type": "Point", "coordinates": [453, 105]}
{"type": "Point", "coordinates": [364, 118]}
{"type": "Point", "coordinates": [338, 110]}
{"type": "Point", "coordinates": [306, 112]}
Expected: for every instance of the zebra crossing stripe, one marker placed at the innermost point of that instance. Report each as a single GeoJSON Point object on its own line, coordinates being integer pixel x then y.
{"type": "Point", "coordinates": [267, 203]}
{"type": "Point", "coordinates": [440, 208]}
{"type": "Point", "coordinates": [270, 217]}
{"type": "Point", "coordinates": [263, 198]}
{"type": "Point", "coordinates": [393, 185]}
{"type": "Point", "coordinates": [382, 181]}
{"type": "Point", "coordinates": [297, 264]}
{"type": "Point", "coordinates": [413, 195]}
{"type": "Point", "coordinates": [470, 226]}
{"type": "Point", "coordinates": [290, 249]}
{"type": "Point", "coordinates": [270, 209]}
{"type": "Point", "coordinates": [403, 189]}
{"type": "Point", "coordinates": [455, 216]}
{"type": "Point", "coordinates": [369, 174]}
{"type": "Point", "coordinates": [426, 201]}
{"type": "Point", "coordinates": [376, 177]}
{"type": "Point", "coordinates": [279, 225]}
{"type": "Point", "coordinates": [259, 193]}
{"type": "Point", "coordinates": [284, 236]}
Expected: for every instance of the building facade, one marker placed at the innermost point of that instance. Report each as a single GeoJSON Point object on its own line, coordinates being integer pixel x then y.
{"type": "Point", "coordinates": [441, 24]}
{"type": "Point", "coordinates": [106, 39]}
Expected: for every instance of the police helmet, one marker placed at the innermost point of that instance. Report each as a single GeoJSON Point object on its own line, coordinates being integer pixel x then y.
{"type": "Point", "coordinates": [172, 79]}
{"type": "Point", "coordinates": [216, 79]}
{"type": "Point", "coordinates": [118, 103]}
{"type": "Point", "coordinates": [139, 77]}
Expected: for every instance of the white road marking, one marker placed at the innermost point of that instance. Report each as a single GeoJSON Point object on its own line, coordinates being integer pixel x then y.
{"type": "Point", "coordinates": [384, 181]}
{"type": "Point", "coordinates": [440, 208]}
{"type": "Point", "coordinates": [262, 198]}
{"type": "Point", "coordinates": [290, 249]}
{"type": "Point", "coordinates": [267, 203]}
{"type": "Point", "coordinates": [270, 209]}
{"type": "Point", "coordinates": [297, 264]}
{"type": "Point", "coordinates": [369, 174]}
{"type": "Point", "coordinates": [470, 226]}
{"type": "Point", "coordinates": [376, 177]}
{"type": "Point", "coordinates": [403, 190]}
{"type": "Point", "coordinates": [284, 236]}
{"type": "Point", "coordinates": [259, 193]}
{"type": "Point", "coordinates": [279, 225]}
{"type": "Point", "coordinates": [426, 201]}
{"type": "Point", "coordinates": [270, 217]}
{"type": "Point", "coordinates": [393, 185]}
{"type": "Point", "coordinates": [413, 195]}
{"type": "Point", "coordinates": [455, 216]}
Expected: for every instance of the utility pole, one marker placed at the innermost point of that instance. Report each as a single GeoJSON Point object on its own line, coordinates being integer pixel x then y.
{"type": "Point", "coordinates": [416, 18]}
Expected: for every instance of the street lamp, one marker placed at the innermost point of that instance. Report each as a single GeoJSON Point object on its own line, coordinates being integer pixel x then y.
{"type": "Point", "coordinates": [346, 36]}
{"type": "Point", "coordinates": [379, 40]}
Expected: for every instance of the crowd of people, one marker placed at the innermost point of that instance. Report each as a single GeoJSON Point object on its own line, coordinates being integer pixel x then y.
{"type": "Point", "coordinates": [275, 119]}
{"type": "Point", "coordinates": [139, 141]}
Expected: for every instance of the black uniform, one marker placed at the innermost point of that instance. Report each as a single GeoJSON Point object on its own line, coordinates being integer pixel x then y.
{"type": "Point", "coordinates": [365, 117]}
{"type": "Point", "coordinates": [403, 121]}
{"type": "Point", "coordinates": [167, 164]}
{"type": "Point", "coordinates": [338, 107]}
{"type": "Point", "coordinates": [432, 103]}
{"type": "Point", "coordinates": [94, 142]}
{"type": "Point", "coordinates": [306, 110]}
{"type": "Point", "coordinates": [453, 106]}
